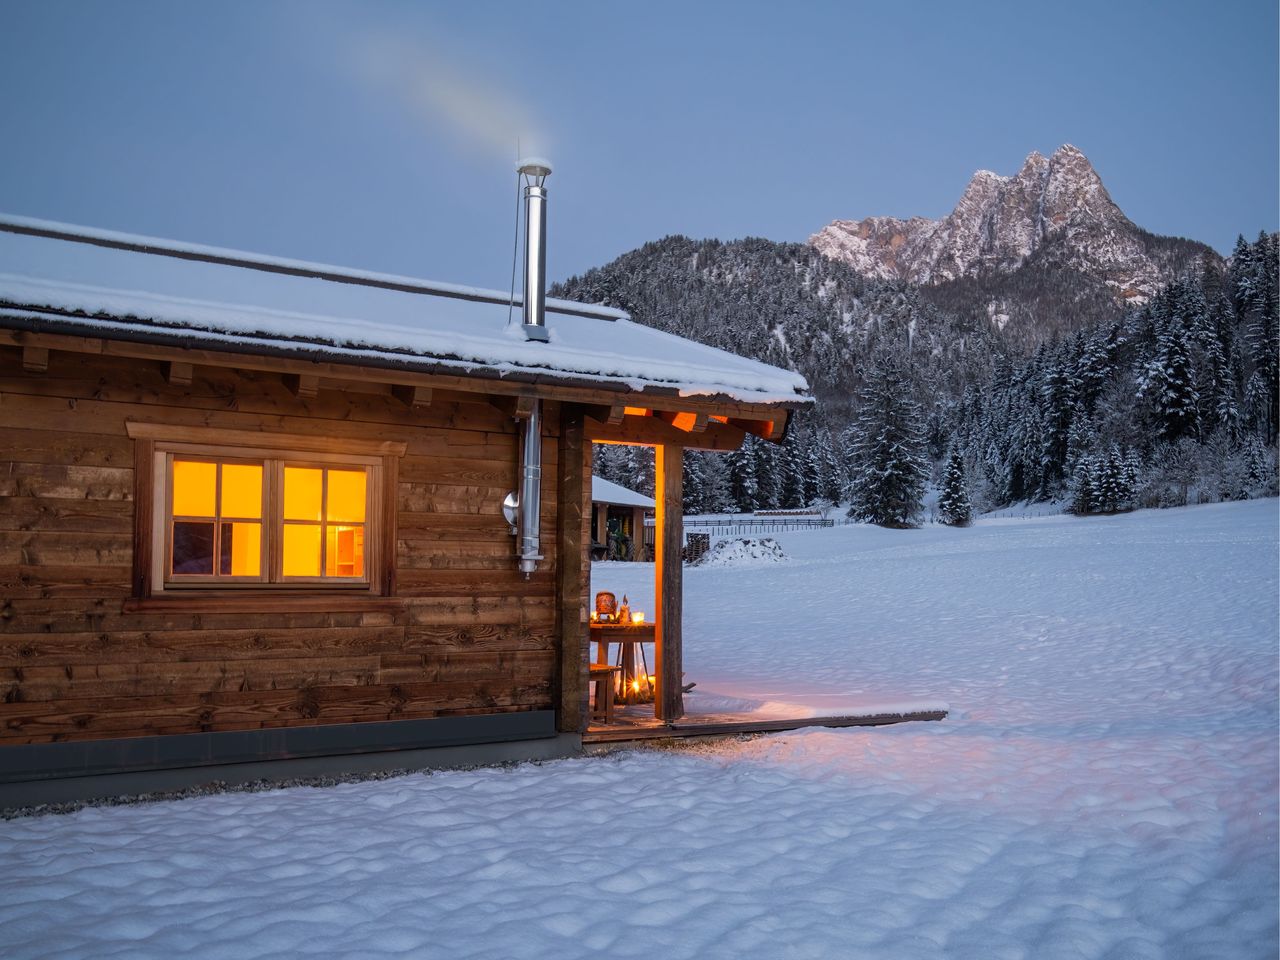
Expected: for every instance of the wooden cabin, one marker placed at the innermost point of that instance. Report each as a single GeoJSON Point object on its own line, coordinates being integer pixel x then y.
{"type": "Point", "coordinates": [618, 520]}
{"type": "Point", "coordinates": [252, 512]}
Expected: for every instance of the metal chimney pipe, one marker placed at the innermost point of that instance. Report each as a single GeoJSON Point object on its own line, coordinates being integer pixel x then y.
{"type": "Point", "coordinates": [535, 171]}
{"type": "Point", "coordinates": [531, 493]}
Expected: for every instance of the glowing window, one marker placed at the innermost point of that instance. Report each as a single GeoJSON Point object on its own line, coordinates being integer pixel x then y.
{"type": "Point", "coordinates": [215, 519]}
{"type": "Point", "coordinates": [273, 520]}
{"type": "Point", "coordinates": [324, 521]}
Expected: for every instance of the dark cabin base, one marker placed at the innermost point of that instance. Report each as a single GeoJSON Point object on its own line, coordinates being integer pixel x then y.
{"type": "Point", "coordinates": [33, 774]}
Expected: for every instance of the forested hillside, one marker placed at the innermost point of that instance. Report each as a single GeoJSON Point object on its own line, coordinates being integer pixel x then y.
{"type": "Point", "coordinates": [1169, 402]}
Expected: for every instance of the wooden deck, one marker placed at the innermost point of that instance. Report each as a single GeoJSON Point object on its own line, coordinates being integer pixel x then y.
{"type": "Point", "coordinates": [639, 723]}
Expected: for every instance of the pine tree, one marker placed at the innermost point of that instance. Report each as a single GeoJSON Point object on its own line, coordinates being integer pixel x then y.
{"type": "Point", "coordinates": [953, 504]}
{"type": "Point", "coordinates": [889, 467]}
{"type": "Point", "coordinates": [743, 493]}
{"type": "Point", "coordinates": [831, 480]}
{"type": "Point", "coordinates": [768, 486]}
{"type": "Point", "coordinates": [695, 487]}
{"type": "Point", "coordinates": [1083, 498]}
{"type": "Point", "coordinates": [1168, 384]}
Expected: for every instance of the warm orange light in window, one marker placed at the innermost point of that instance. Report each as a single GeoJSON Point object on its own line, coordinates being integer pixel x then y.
{"type": "Point", "coordinates": [635, 411]}
{"type": "Point", "coordinates": [346, 498]}
{"type": "Point", "coordinates": [344, 556]}
{"type": "Point", "coordinates": [229, 542]}
{"type": "Point", "coordinates": [301, 550]}
{"type": "Point", "coordinates": [242, 549]}
{"type": "Point", "coordinates": [242, 490]}
{"type": "Point", "coordinates": [195, 486]}
{"type": "Point", "coordinates": [719, 419]}
{"type": "Point", "coordinates": [303, 493]}
{"type": "Point", "coordinates": [332, 505]}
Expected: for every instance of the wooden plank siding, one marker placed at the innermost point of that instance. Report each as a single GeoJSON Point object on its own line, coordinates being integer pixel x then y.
{"type": "Point", "coordinates": [82, 657]}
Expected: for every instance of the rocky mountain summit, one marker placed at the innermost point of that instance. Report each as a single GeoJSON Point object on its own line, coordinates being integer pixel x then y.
{"type": "Point", "coordinates": [1054, 214]}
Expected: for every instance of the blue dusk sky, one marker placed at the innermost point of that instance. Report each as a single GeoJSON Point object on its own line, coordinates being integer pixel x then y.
{"type": "Point", "coordinates": [383, 135]}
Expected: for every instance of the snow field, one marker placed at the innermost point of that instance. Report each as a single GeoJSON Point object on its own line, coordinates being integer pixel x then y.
{"type": "Point", "coordinates": [1105, 787]}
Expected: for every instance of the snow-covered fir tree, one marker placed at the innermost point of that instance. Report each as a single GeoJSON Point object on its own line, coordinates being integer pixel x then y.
{"type": "Point", "coordinates": [954, 507]}
{"type": "Point", "coordinates": [1103, 483]}
{"type": "Point", "coordinates": [887, 465]}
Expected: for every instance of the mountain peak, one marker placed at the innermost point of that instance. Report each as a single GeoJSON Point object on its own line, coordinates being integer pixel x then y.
{"type": "Point", "coordinates": [1055, 208]}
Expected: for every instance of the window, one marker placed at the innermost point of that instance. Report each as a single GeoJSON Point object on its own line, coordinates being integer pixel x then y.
{"type": "Point", "coordinates": [255, 517]}
{"type": "Point", "coordinates": [218, 507]}
{"type": "Point", "coordinates": [216, 511]}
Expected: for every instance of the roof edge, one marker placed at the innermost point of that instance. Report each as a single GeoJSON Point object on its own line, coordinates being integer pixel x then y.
{"type": "Point", "coordinates": [36, 320]}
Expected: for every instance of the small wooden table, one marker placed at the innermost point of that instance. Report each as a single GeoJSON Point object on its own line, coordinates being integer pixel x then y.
{"type": "Point", "coordinates": [626, 636]}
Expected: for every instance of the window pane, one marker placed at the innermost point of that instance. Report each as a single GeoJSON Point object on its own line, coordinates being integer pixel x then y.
{"type": "Point", "coordinates": [195, 486]}
{"type": "Point", "coordinates": [242, 490]}
{"type": "Point", "coordinates": [302, 493]}
{"type": "Point", "coordinates": [192, 547]}
{"type": "Point", "coordinates": [241, 550]}
{"type": "Point", "coordinates": [301, 549]}
{"type": "Point", "coordinates": [345, 554]}
{"type": "Point", "coordinates": [346, 496]}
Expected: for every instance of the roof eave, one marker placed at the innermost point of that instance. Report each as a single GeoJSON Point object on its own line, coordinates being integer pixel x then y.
{"type": "Point", "coordinates": [41, 320]}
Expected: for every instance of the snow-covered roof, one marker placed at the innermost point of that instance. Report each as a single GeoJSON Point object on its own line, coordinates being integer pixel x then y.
{"type": "Point", "coordinates": [109, 284]}
{"type": "Point", "coordinates": [606, 491]}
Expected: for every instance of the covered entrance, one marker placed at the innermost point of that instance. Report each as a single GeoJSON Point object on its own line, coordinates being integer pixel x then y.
{"type": "Point", "coordinates": [636, 656]}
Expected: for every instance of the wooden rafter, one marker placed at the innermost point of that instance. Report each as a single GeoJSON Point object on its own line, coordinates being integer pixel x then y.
{"type": "Point", "coordinates": [410, 396]}
{"type": "Point", "coordinates": [685, 420]}
{"type": "Point", "coordinates": [179, 374]}
{"type": "Point", "coordinates": [302, 385]}
{"type": "Point", "coordinates": [652, 431]}
{"type": "Point", "coordinates": [35, 359]}
{"type": "Point", "coordinates": [772, 429]}
{"type": "Point", "coordinates": [517, 408]}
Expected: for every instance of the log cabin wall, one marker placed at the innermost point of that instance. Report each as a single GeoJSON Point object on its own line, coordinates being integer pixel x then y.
{"type": "Point", "coordinates": [81, 659]}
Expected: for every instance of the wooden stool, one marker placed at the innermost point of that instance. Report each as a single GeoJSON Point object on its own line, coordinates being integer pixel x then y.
{"type": "Point", "coordinates": [602, 675]}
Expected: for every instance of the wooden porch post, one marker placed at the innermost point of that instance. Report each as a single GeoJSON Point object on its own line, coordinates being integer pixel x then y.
{"type": "Point", "coordinates": [669, 581]}
{"type": "Point", "coordinates": [573, 486]}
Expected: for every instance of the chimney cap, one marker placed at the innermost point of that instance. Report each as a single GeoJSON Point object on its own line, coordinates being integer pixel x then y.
{"type": "Point", "coordinates": [534, 167]}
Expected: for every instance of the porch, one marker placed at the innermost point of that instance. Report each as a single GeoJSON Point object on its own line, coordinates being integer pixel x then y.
{"type": "Point", "coordinates": [634, 722]}
{"type": "Point", "coordinates": [635, 627]}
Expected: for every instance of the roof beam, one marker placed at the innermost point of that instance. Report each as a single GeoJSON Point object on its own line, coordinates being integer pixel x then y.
{"type": "Point", "coordinates": [35, 359]}
{"type": "Point", "coordinates": [654, 431]}
{"type": "Point", "coordinates": [606, 413]}
{"type": "Point", "coordinates": [413, 397]}
{"type": "Point", "coordinates": [773, 429]}
{"type": "Point", "coordinates": [179, 374]}
{"type": "Point", "coordinates": [304, 386]}
{"type": "Point", "coordinates": [684, 420]}
{"type": "Point", "coordinates": [517, 408]}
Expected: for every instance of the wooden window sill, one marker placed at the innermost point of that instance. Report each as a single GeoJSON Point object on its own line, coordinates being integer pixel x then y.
{"type": "Point", "coordinates": [260, 602]}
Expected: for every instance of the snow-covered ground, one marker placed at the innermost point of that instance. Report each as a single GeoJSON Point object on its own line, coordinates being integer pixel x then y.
{"type": "Point", "coordinates": [1106, 784]}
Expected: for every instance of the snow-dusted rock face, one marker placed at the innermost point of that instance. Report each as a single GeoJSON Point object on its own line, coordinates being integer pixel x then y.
{"type": "Point", "coordinates": [1054, 207]}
